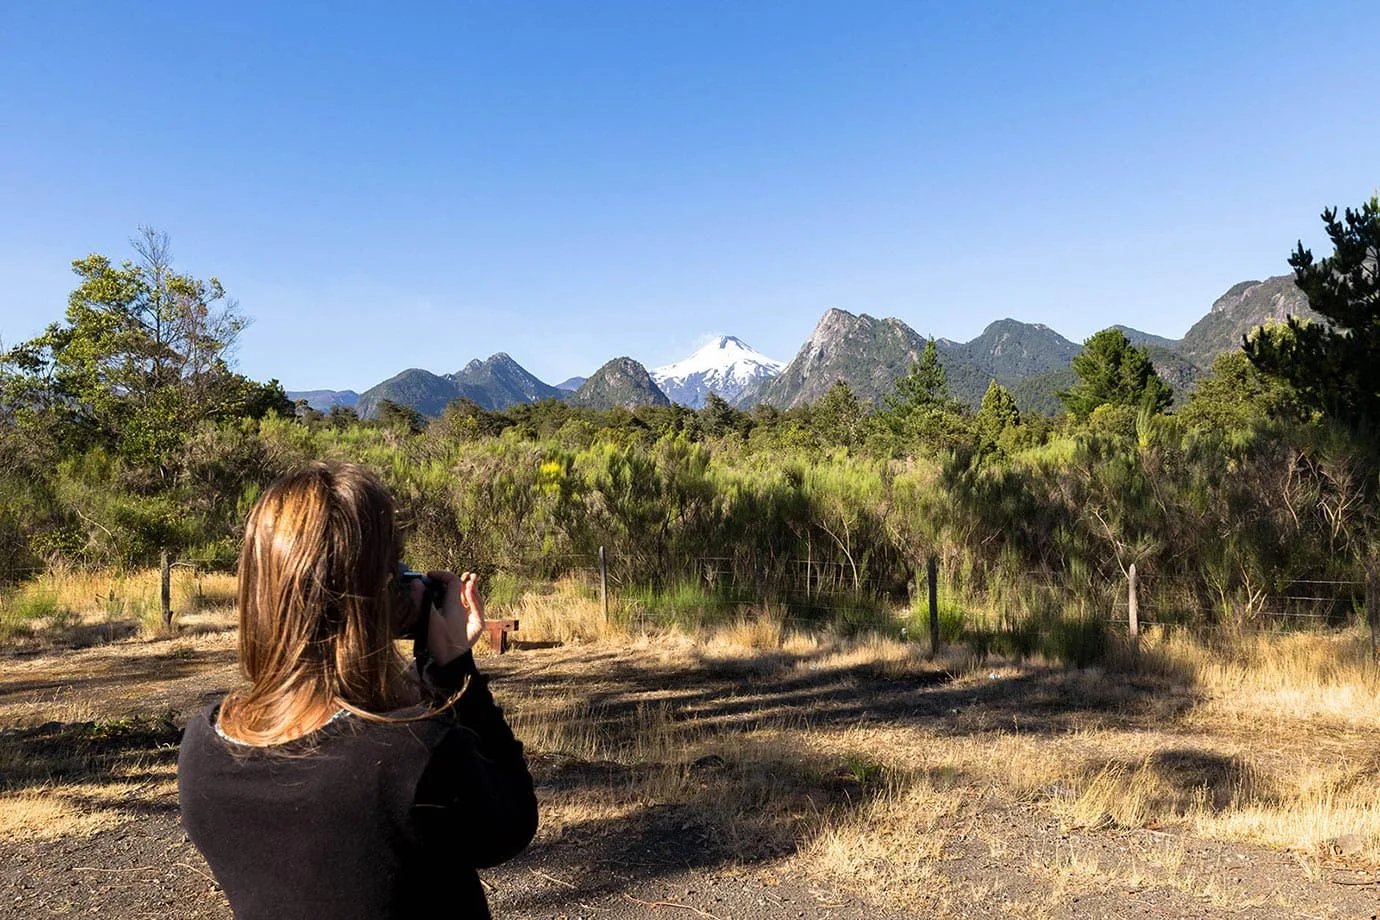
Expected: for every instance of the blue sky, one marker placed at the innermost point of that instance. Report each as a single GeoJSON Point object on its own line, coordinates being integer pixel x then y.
{"type": "Point", "coordinates": [393, 185]}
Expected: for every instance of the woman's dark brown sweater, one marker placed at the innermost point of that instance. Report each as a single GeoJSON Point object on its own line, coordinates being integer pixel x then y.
{"type": "Point", "coordinates": [362, 820]}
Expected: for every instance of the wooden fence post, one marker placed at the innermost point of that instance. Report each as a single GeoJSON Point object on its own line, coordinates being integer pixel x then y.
{"type": "Point", "coordinates": [932, 572]}
{"type": "Point", "coordinates": [1373, 610]}
{"type": "Point", "coordinates": [604, 584]}
{"type": "Point", "coordinates": [1133, 609]}
{"type": "Point", "coordinates": [165, 590]}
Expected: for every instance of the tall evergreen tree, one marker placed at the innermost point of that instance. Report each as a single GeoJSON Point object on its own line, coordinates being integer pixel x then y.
{"type": "Point", "coordinates": [921, 413]}
{"type": "Point", "coordinates": [1335, 368]}
{"type": "Point", "coordinates": [717, 418]}
{"type": "Point", "coordinates": [926, 387]}
{"type": "Point", "coordinates": [997, 413]}
{"type": "Point", "coordinates": [1112, 371]}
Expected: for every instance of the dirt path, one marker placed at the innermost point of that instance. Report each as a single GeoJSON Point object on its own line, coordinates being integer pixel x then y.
{"type": "Point", "coordinates": [605, 854]}
{"type": "Point", "coordinates": [147, 870]}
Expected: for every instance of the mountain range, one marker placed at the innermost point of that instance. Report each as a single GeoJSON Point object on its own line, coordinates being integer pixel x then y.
{"type": "Point", "coordinates": [1030, 359]}
{"type": "Point", "coordinates": [325, 400]}
{"type": "Point", "coordinates": [494, 383]}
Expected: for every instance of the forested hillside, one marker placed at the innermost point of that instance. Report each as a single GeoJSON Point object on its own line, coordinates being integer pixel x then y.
{"type": "Point", "coordinates": [117, 448]}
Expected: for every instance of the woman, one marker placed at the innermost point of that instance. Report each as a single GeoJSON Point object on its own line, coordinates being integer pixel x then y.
{"type": "Point", "coordinates": [339, 783]}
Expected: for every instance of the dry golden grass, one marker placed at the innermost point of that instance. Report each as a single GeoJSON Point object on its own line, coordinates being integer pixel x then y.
{"type": "Point", "coordinates": [46, 814]}
{"type": "Point", "coordinates": [1275, 749]}
{"type": "Point", "coordinates": [890, 845]}
{"type": "Point", "coordinates": [84, 608]}
{"type": "Point", "coordinates": [80, 809]}
{"type": "Point", "coordinates": [78, 777]}
{"type": "Point", "coordinates": [568, 612]}
{"type": "Point", "coordinates": [1264, 739]}
{"type": "Point", "coordinates": [1290, 676]}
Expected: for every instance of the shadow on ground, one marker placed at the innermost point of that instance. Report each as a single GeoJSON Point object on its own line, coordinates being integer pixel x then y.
{"type": "Point", "coordinates": [752, 801]}
{"type": "Point", "coordinates": [122, 671]}
{"type": "Point", "coordinates": [58, 753]}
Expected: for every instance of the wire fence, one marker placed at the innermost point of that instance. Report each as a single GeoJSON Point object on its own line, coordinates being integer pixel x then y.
{"type": "Point", "coordinates": [808, 593]}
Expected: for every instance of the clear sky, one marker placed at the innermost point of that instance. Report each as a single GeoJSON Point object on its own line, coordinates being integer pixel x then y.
{"type": "Point", "coordinates": [394, 185]}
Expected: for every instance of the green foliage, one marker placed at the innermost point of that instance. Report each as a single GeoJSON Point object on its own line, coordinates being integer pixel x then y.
{"type": "Point", "coordinates": [341, 416]}
{"type": "Point", "coordinates": [686, 603]}
{"type": "Point", "coordinates": [717, 418]}
{"type": "Point", "coordinates": [1237, 396]}
{"type": "Point", "coordinates": [827, 511]}
{"type": "Point", "coordinates": [838, 418]}
{"type": "Point", "coordinates": [925, 388]}
{"type": "Point", "coordinates": [1335, 368]}
{"type": "Point", "coordinates": [1039, 394]}
{"type": "Point", "coordinates": [398, 417]}
{"type": "Point", "coordinates": [1112, 371]}
{"type": "Point", "coordinates": [21, 610]}
{"type": "Point", "coordinates": [832, 535]}
{"type": "Point", "coordinates": [35, 605]}
{"type": "Point", "coordinates": [1079, 641]}
{"type": "Point", "coordinates": [921, 414]}
{"type": "Point", "coordinates": [996, 416]}
{"type": "Point", "coordinates": [140, 360]}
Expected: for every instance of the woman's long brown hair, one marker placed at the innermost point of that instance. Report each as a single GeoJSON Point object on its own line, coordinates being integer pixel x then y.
{"type": "Point", "coordinates": [317, 624]}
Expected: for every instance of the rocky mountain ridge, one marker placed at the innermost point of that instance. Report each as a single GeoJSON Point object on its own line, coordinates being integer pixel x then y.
{"type": "Point", "coordinates": [495, 383]}
{"type": "Point", "coordinates": [1243, 307]}
{"type": "Point", "coordinates": [867, 352]}
{"type": "Point", "coordinates": [621, 383]}
{"type": "Point", "coordinates": [1031, 359]}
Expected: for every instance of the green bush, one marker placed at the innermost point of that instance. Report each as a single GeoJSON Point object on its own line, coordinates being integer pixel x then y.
{"type": "Point", "coordinates": [685, 604]}
{"type": "Point", "coordinates": [36, 604]}
{"type": "Point", "coordinates": [1079, 641]}
{"type": "Point", "coordinates": [700, 516]}
{"type": "Point", "coordinates": [22, 611]}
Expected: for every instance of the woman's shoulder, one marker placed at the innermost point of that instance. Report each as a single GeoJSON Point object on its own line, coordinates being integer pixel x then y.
{"type": "Point", "coordinates": [414, 727]}
{"type": "Point", "coordinates": [201, 725]}
{"type": "Point", "coordinates": [421, 724]}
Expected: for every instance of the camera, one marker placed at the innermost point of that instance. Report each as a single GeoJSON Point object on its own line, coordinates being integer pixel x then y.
{"type": "Point", "coordinates": [433, 595]}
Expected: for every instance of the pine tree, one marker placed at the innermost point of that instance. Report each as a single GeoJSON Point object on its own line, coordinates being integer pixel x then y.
{"type": "Point", "coordinates": [925, 387]}
{"type": "Point", "coordinates": [921, 413]}
{"type": "Point", "coordinates": [1335, 368]}
{"type": "Point", "coordinates": [1112, 371]}
{"type": "Point", "coordinates": [997, 413]}
{"type": "Point", "coordinates": [717, 418]}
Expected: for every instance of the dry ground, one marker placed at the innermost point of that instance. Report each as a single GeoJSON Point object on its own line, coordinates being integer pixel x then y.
{"type": "Point", "coordinates": [753, 773]}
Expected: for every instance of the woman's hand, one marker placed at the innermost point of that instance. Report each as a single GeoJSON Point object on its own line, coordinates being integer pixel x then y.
{"type": "Point", "coordinates": [458, 624]}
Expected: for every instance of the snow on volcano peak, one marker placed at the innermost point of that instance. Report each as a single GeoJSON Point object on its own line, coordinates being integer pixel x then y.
{"type": "Point", "coordinates": [726, 366]}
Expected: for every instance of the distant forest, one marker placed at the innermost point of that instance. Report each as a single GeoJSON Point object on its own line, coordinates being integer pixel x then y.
{"type": "Point", "coordinates": [124, 432]}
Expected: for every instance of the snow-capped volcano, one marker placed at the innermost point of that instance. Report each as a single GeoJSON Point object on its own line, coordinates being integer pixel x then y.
{"type": "Point", "coordinates": [725, 366]}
